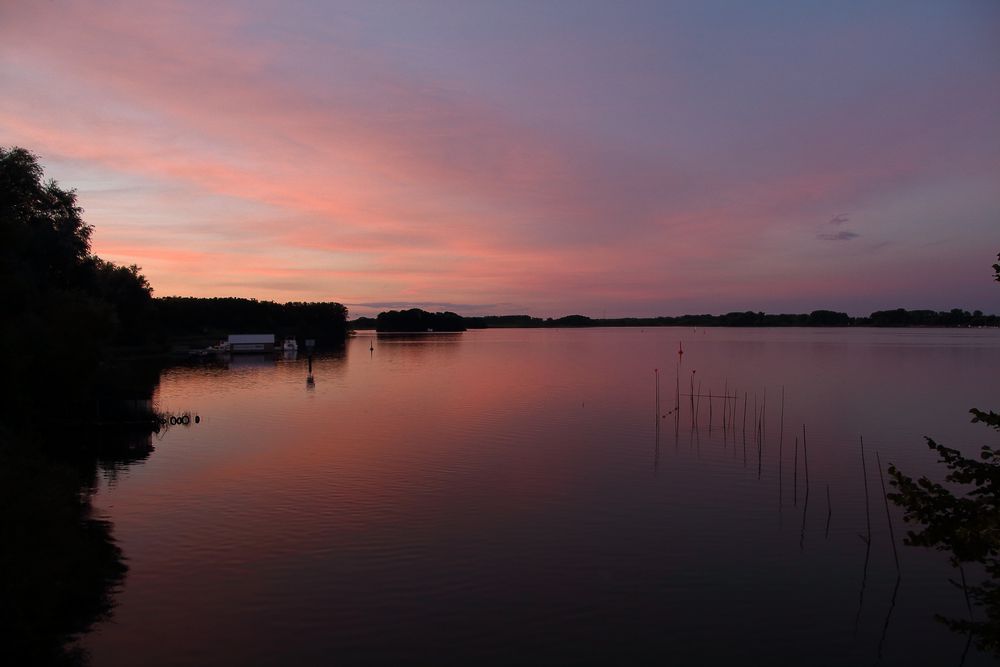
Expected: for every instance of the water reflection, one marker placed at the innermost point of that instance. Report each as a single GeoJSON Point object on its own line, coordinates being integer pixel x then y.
{"type": "Point", "coordinates": [488, 497]}
{"type": "Point", "coordinates": [59, 563]}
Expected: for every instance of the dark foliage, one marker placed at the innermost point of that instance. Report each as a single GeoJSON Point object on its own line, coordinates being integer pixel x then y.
{"type": "Point", "coordinates": [570, 321]}
{"type": "Point", "coordinates": [415, 319]}
{"type": "Point", "coordinates": [129, 293]}
{"type": "Point", "coordinates": [503, 322]}
{"type": "Point", "coordinates": [817, 318]}
{"type": "Point", "coordinates": [367, 323]}
{"type": "Point", "coordinates": [219, 317]}
{"type": "Point", "coordinates": [827, 318]}
{"type": "Point", "coordinates": [955, 317]}
{"type": "Point", "coordinates": [63, 307]}
{"type": "Point", "coordinates": [963, 520]}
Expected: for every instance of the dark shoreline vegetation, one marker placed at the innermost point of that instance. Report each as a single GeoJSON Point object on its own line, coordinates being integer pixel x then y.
{"type": "Point", "coordinates": [962, 519]}
{"type": "Point", "coordinates": [86, 342]}
{"type": "Point", "coordinates": [416, 319]}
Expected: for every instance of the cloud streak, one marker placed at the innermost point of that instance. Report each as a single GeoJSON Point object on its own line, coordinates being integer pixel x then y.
{"type": "Point", "coordinates": [843, 235]}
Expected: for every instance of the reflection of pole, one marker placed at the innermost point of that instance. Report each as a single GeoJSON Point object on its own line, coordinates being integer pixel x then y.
{"type": "Point", "coordinates": [867, 538]}
{"type": "Point", "coordinates": [892, 605]}
{"type": "Point", "coordinates": [691, 396]}
{"type": "Point", "coordinates": [656, 445]}
{"type": "Point", "coordinates": [781, 438]}
{"type": "Point", "coordinates": [763, 417]}
{"type": "Point", "coordinates": [656, 374]}
{"type": "Point", "coordinates": [864, 476]}
{"type": "Point", "coordinates": [795, 476]}
{"type": "Point", "coordinates": [805, 508]}
{"type": "Point", "coordinates": [709, 410]}
{"type": "Point", "coordinates": [725, 409]}
{"type": "Point", "coordinates": [888, 516]}
{"type": "Point", "coordinates": [744, 429]}
{"type": "Point", "coordinates": [864, 584]}
{"type": "Point", "coordinates": [677, 390]}
{"type": "Point", "coordinates": [805, 458]}
{"type": "Point", "coordinates": [829, 511]}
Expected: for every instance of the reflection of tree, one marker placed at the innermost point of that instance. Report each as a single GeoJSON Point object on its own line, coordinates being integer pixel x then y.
{"type": "Point", "coordinates": [962, 519]}
{"type": "Point", "coordinates": [58, 564]}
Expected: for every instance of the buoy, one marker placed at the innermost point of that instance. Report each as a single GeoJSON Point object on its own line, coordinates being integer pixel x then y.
{"type": "Point", "coordinates": [197, 419]}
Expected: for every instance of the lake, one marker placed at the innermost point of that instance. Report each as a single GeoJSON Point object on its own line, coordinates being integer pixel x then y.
{"type": "Point", "coordinates": [518, 497]}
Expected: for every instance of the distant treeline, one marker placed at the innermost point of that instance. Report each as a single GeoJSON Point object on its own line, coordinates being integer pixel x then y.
{"type": "Point", "coordinates": [412, 320]}
{"type": "Point", "coordinates": [818, 318]}
{"type": "Point", "coordinates": [218, 317]}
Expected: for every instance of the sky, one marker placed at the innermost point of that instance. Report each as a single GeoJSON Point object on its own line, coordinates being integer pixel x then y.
{"type": "Point", "coordinates": [602, 158]}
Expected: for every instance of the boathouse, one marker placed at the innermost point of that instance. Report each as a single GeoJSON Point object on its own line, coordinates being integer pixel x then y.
{"type": "Point", "coordinates": [251, 343]}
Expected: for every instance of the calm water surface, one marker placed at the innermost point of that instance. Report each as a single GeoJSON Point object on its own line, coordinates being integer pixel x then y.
{"type": "Point", "coordinates": [515, 496]}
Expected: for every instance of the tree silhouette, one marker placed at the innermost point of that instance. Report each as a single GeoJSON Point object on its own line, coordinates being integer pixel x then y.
{"type": "Point", "coordinates": [61, 306]}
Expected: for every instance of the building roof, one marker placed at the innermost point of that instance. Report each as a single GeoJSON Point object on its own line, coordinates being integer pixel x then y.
{"type": "Point", "coordinates": [251, 339]}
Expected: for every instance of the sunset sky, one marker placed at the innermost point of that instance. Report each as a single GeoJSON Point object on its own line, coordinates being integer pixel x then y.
{"type": "Point", "coordinates": [603, 158]}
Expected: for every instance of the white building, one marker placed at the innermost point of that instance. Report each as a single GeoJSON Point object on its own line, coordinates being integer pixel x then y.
{"type": "Point", "coordinates": [249, 343]}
